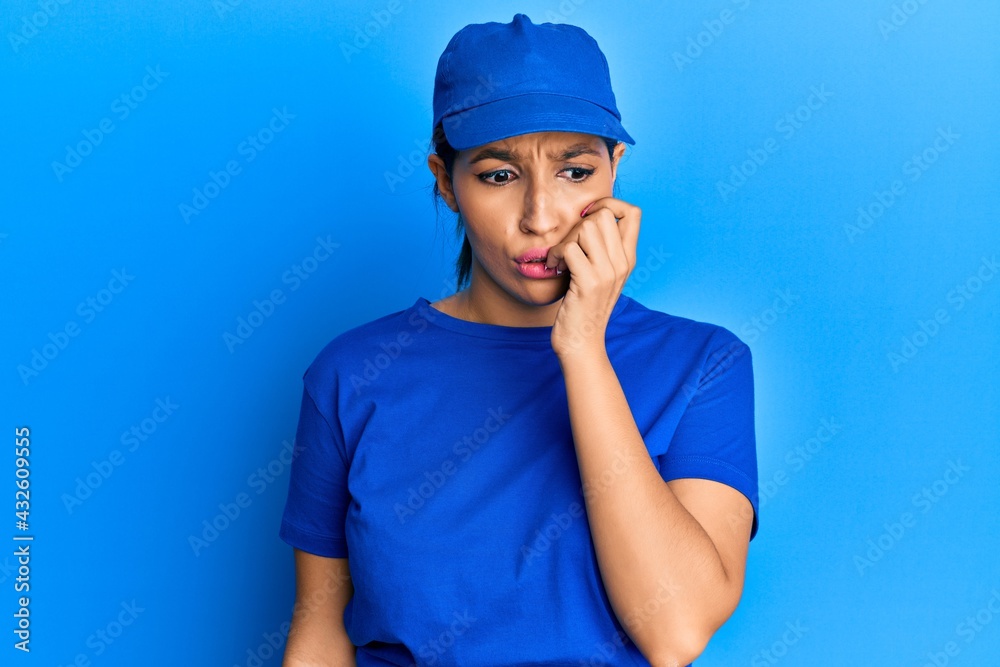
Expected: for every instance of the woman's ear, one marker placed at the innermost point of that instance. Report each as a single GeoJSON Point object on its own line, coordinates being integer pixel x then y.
{"type": "Point", "coordinates": [615, 159]}
{"type": "Point", "coordinates": [436, 165]}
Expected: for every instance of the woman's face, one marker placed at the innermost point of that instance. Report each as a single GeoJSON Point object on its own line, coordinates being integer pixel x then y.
{"type": "Point", "coordinates": [522, 193]}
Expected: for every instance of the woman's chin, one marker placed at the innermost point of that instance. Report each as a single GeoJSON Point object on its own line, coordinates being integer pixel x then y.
{"type": "Point", "coordinates": [545, 292]}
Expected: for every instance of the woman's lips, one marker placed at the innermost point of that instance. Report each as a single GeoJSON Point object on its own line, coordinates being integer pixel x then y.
{"type": "Point", "coordinates": [533, 253]}
{"type": "Point", "coordinates": [537, 270]}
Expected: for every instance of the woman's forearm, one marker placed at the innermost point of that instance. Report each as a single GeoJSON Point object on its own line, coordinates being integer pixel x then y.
{"type": "Point", "coordinates": [318, 649]}
{"type": "Point", "coordinates": [664, 576]}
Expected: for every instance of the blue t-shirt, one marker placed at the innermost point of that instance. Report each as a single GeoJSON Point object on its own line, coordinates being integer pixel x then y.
{"type": "Point", "coordinates": [437, 454]}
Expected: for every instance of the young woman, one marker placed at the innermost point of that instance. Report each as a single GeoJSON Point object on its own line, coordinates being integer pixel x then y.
{"type": "Point", "coordinates": [537, 469]}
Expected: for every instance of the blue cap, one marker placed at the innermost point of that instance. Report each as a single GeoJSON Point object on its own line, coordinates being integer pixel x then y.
{"type": "Point", "coordinates": [496, 80]}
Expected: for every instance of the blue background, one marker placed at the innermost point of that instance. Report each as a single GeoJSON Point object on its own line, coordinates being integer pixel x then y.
{"type": "Point", "coordinates": [779, 257]}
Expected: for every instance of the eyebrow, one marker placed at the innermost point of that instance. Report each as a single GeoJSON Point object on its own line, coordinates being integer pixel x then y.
{"type": "Point", "coordinates": [512, 156]}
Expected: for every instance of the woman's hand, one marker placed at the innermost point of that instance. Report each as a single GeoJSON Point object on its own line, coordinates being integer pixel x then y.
{"type": "Point", "coordinates": [599, 254]}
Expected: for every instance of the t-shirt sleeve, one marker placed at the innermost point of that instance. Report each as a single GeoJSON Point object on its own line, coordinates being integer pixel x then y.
{"type": "Point", "coordinates": [715, 437]}
{"type": "Point", "coordinates": [316, 507]}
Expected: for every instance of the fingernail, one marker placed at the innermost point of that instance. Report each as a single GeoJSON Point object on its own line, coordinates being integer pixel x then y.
{"type": "Point", "coordinates": [586, 209]}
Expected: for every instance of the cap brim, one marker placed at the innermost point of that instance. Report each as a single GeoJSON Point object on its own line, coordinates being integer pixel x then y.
{"type": "Point", "coordinates": [536, 112]}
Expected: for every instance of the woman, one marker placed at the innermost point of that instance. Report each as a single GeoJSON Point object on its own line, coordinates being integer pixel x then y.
{"type": "Point", "coordinates": [537, 469]}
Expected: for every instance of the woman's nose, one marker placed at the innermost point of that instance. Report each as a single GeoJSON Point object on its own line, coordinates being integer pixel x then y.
{"type": "Point", "coordinates": [541, 208]}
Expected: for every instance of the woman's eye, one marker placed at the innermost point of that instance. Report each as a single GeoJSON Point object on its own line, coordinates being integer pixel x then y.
{"type": "Point", "coordinates": [504, 175]}
{"type": "Point", "coordinates": [576, 171]}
